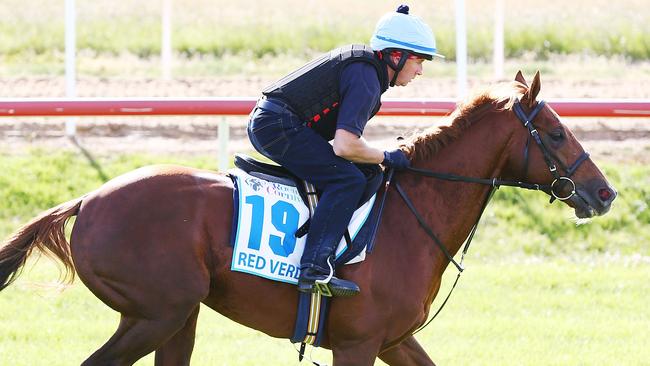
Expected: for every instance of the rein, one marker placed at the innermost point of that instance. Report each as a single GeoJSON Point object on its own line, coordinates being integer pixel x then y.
{"type": "Point", "coordinates": [494, 183]}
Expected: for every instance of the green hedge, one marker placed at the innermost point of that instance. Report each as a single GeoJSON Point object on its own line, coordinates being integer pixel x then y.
{"type": "Point", "coordinates": [261, 28]}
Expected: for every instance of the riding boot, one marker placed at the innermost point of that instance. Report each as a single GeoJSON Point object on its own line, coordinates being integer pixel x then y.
{"type": "Point", "coordinates": [314, 279]}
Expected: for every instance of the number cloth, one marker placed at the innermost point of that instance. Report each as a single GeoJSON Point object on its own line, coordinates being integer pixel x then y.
{"type": "Point", "coordinates": [268, 215]}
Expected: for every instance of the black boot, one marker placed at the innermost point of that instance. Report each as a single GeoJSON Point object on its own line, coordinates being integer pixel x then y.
{"type": "Point", "coordinates": [307, 282]}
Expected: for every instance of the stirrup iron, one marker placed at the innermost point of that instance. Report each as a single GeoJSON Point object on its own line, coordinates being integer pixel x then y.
{"type": "Point", "coordinates": [323, 286]}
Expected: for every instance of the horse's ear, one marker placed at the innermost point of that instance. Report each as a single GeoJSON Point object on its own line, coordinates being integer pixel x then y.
{"type": "Point", "coordinates": [520, 78]}
{"type": "Point", "coordinates": [531, 95]}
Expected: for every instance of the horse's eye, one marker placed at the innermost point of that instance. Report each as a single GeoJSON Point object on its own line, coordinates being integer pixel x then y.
{"type": "Point", "coordinates": [557, 135]}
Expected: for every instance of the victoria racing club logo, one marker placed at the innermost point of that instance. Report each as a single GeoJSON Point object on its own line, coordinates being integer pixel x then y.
{"type": "Point", "coordinates": [254, 183]}
{"type": "Point", "coordinates": [279, 190]}
{"type": "Point", "coordinates": [261, 185]}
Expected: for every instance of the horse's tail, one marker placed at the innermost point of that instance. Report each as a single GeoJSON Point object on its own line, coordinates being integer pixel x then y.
{"type": "Point", "coordinates": [45, 232]}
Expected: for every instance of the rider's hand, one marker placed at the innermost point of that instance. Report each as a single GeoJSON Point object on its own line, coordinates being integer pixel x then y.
{"type": "Point", "coordinates": [396, 159]}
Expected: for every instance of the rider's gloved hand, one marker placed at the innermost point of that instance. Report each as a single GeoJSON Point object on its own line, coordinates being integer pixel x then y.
{"type": "Point", "coordinates": [396, 159]}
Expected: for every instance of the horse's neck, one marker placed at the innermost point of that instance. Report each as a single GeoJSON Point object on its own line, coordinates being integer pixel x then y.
{"type": "Point", "coordinates": [452, 208]}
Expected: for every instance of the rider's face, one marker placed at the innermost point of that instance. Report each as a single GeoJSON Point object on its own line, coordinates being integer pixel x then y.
{"type": "Point", "coordinates": [411, 69]}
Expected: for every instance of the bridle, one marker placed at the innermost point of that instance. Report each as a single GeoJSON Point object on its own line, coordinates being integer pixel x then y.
{"type": "Point", "coordinates": [552, 189]}
{"type": "Point", "coordinates": [550, 159]}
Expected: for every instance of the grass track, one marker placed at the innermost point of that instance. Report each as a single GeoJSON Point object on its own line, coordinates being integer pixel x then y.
{"type": "Point", "coordinates": [503, 313]}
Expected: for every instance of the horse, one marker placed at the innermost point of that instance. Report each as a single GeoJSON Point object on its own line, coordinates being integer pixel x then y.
{"type": "Point", "coordinates": [153, 244]}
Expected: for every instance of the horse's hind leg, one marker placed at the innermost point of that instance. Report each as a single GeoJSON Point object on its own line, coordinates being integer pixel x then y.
{"type": "Point", "coordinates": [178, 349]}
{"type": "Point", "coordinates": [137, 337]}
{"type": "Point", "coordinates": [407, 353]}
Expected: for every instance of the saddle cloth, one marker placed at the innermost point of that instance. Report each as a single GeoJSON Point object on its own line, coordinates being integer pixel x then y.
{"type": "Point", "coordinates": [270, 206]}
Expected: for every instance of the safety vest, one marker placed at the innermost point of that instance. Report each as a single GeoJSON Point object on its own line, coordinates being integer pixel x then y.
{"type": "Point", "coordinates": [312, 91]}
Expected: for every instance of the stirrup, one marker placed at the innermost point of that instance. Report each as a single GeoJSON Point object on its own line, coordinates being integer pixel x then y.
{"type": "Point", "coordinates": [323, 286]}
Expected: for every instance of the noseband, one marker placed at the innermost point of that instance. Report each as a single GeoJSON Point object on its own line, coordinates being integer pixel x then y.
{"type": "Point", "coordinates": [550, 159]}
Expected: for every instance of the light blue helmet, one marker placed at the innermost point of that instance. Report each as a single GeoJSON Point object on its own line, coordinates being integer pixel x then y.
{"type": "Point", "coordinates": [399, 30]}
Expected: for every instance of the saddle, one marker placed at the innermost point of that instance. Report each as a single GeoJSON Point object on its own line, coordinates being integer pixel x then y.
{"type": "Point", "coordinates": [276, 173]}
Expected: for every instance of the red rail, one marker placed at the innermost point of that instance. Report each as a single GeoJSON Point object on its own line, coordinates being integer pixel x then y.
{"type": "Point", "coordinates": [242, 106]}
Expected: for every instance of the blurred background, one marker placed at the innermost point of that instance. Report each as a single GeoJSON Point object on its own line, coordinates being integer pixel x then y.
{"type": "Point", "coordinates": [540, 289]}
{"type": "Point", "coordinates": [584, 41]}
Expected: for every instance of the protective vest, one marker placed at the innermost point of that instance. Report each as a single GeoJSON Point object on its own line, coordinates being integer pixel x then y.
{"type": "Point", "coordinates": [312, 91]}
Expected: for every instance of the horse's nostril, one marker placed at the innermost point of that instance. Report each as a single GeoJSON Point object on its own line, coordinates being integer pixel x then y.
{"type": "Point", "coordinates": [605, 194]}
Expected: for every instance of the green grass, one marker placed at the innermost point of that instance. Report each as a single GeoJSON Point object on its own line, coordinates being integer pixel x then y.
{"type": "Point", "coordinates": [222, 30]}
{"type": "Point", "coordinates": [523, 222]}
{"type": "Point", "coordinates": [508, 313]}
{"type": "Point", "coordinates": [37, 180]}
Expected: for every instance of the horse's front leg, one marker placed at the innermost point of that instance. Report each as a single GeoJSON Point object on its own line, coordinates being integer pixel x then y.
{"type": "Point", "coordinates": [407, 353]}
{"type": "Point", "coordinates": [356, 353]}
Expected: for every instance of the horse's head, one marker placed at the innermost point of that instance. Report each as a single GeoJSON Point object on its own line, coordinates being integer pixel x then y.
{"type": "Point", "coordinates": [546, 152]}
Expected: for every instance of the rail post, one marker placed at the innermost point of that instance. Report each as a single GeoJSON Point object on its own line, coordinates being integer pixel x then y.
{"type": "Point", "coordinates": [224, 135]}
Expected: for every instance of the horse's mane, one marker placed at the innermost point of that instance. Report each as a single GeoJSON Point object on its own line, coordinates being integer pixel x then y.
{"type": "Point", "coordinates": [425, 144]}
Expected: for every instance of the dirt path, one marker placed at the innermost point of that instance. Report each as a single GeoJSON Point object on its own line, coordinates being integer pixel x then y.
{"type": "Point", "coordinates": [620, 139]}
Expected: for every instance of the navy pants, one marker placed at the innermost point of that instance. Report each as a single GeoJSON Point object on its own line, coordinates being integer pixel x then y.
{"type": "Point", "coordinates": [277, 133]}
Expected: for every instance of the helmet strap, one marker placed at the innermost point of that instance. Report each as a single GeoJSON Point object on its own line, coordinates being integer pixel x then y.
{"type": "Point", "coordinates": [397, 67]}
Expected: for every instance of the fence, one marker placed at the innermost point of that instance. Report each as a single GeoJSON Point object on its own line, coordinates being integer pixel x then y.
{"type": "Point", "coordinates": [53, 107]}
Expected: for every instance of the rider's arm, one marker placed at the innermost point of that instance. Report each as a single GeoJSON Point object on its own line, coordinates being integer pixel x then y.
{"type": "Point", "coordinates": [360, 94]}
{"type": "Point", "coordinates": [351, 147]}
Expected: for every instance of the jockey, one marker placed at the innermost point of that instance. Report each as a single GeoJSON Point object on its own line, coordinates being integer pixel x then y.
{"type": "Point", "coordinates": [332, 98]}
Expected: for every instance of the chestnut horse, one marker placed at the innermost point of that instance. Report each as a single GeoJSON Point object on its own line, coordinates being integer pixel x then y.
{"type": "Point", "coordinates": [154, 243]}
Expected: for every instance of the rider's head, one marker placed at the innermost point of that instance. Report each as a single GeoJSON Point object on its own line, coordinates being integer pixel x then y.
{"type": "Point", "coordinates": [404, 41]}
